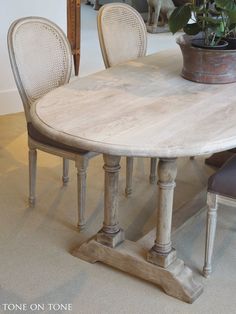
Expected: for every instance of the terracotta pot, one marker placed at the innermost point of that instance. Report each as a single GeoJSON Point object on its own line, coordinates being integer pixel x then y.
{"type": "Point", "coordinates": [207, 65]}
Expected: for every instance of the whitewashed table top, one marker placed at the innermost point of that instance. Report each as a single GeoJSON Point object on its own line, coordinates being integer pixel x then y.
{"type": "Point", "coordinates": [141, 108]}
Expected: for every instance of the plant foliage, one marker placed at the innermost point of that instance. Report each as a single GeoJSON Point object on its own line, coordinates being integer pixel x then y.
{"type": "Point", "coordinates": [216, 19]}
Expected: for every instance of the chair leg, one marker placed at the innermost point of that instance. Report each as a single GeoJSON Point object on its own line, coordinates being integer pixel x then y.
{"type": "Point", "coordinates": [81, 165]}
{"type": "Point", "coordinates": [129, 175]}
{"type": "Point", "coordinates": [210, 232]}
{"type": "Point", "coordinates": [65, 176]}
{"type": "Point", "coordinates": [32, 175]}
{"type": "Point", "coordinates": [153, 171]}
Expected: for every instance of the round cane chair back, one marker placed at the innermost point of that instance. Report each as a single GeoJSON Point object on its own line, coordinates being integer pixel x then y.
{"type": "Point", "coordinates": [40, 57]}
{"type": "Point", "coordinates": [122, 33]}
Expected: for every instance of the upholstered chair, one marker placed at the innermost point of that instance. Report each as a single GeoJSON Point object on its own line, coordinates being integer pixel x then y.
{"type": "Point", "coordinates": [40, 57]}
{"type": "Point", "coordinates": [123, 37]}
{"type": "Point", "coordinates": [221, 189]}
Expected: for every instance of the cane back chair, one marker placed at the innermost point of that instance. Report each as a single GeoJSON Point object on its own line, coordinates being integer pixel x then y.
{"type": "Point", "coordinates": [123, 37]}
{"type": "Point", "coordinates": [41, 61]}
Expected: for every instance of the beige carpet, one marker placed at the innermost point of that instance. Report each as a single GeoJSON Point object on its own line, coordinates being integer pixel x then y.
{"type": "Point", "coordinates": [36, 266]}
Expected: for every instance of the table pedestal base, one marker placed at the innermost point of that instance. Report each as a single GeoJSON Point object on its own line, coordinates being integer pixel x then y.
{"type": "Point", "coordinates": [112, 239]}
{"type": "Point", "coordinates": [176, 280]}
{"type": "Point", "coordinates": [161, 260]}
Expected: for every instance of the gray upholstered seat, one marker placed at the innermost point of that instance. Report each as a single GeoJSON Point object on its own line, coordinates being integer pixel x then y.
{"type": "Point", "coordinates": [219, 159]}
{"type": "Point", "coordinates": [221, 188]}
{"type": "Point", "coordinates": [41, 138]}
{"type": "Point", "coordinates": [223, 182]}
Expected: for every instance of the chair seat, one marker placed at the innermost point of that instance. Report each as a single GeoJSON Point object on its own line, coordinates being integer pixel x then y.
{"type": "Point", "coordinates": [39, 137]}
{"type": "Point", "coordinates": [219, 159]}
{"type": "Point", "coordinates": [223, 182]}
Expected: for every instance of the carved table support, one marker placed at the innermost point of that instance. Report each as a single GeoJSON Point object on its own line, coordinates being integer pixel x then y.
{"type": "Point", "coordinates": [162, 253]}
{"type": "Point", "coordinates": [109, 246]}
{"type": "Point", "coordinates": [111, 234]}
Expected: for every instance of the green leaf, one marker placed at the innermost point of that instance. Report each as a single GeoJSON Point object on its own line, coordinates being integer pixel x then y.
{"type": "Point", "coordinates": [192, 29]}
{"type": "Point", "coordinates": [232, 17]}
{"type": "Point", "coordinates": [219, 31]}
{"type": "Point", "coordinates": [179, 18]}
{"type": "Point", "coordinates": [228, 5]}
{"type": "Point", "coordinates": [222, 28]}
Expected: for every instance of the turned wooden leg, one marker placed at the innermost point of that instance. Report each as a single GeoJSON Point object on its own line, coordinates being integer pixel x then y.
{"type": "Point", "coordinates": [129, 175]}
{"type": "Point", "coordinates": [81, 165]}
{"type": "Point", "coordinates": [65, 175]}
{"type": "Point", "coordinates": [111, 234]}
{"type": "Point", "coordinates": [32, 175]}
{"type": "Point", "coordinates": [162, 253]}
{"type": "Point", "coordinates": [210, 232]}
{"type": "Point", "coordinates": [153, 171]}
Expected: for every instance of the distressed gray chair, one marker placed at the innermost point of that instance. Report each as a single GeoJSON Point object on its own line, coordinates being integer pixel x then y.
{"type": "Point", "coordinates": [40, 57]}
{"type": "Point", "coordinates": [123, 37]}
{"type": "Point", "coordinates": [221, 189]}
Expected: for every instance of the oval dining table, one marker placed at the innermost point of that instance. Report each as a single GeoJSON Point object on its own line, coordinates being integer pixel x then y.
{"type": "Point", "coordinates": [141, 108]}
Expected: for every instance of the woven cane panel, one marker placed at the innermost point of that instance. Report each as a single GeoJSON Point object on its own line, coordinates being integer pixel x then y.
{"type": "Point", "coordinates": [42, 58]}
{"type": "Point", "coordinates": [124, 33]}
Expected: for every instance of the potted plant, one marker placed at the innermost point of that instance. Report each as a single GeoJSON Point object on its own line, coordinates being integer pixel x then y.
{"type": "Point", "coordinates": [207, 24]}
{"type": "Point", "coordinates": [212, 18]}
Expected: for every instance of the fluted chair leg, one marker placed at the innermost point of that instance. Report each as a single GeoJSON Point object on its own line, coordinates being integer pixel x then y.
{"type": "Point", "coordinates": [129, 175]}
{"type": "Point", "coordinates": [81, 165]}
{"type": "Point", "coordinates": [32, 175]}
{"type": "Point", "coordinates": [210, 232]}
{"type": "Point", "coordinates": [153, 171]}
{"type": "Point", "coordinates": [65, 176]}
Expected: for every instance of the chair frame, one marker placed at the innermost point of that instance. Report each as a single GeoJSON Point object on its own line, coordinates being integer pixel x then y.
{"type": "Point", "coordinates": [213, 200]}
{"type": "Point", "coordinates": [81, 160]}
